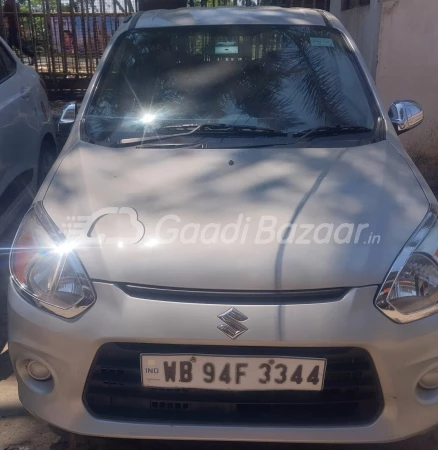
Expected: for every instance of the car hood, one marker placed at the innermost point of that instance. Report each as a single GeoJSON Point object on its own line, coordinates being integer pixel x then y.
{"type": "Point", "coordinates": [237, 219]}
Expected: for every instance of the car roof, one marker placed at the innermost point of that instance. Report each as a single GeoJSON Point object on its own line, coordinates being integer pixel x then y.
{"type": "Point", "coordinates": [230, 15]}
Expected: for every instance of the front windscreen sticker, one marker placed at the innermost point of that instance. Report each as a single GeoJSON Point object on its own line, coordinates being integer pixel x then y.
{"type": "Point", "coordinates": [227, 47]}
{"type": "Point", "coordinates": [321, 42]}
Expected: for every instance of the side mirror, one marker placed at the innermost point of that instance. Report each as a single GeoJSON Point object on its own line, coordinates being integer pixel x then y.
{"type": "Point", "coordinates": [405, 115]}
{"type": "Point", "coordinates": [67, 119]}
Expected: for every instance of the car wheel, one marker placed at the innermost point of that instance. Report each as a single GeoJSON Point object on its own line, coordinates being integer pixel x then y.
{"type": "Point", "coordinates": [47, 158]}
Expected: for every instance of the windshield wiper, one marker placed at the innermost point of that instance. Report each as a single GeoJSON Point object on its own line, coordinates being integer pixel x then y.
{"type": "Point", "coordinates": [222, 128]}
{"type": "Point", "coordinates": [317, 132]}
{"type": "Point", "coordinates": [219, 130]}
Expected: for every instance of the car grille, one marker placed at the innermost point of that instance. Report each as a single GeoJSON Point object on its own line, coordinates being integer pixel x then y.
{"type": "Point", "coordinates": [234, 297]}
{"type": "Point", "coordinates": [351, 393]}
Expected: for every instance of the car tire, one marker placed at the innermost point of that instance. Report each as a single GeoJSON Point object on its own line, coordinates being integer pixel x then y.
{"type": "Point", "coordinates": [47, 158]}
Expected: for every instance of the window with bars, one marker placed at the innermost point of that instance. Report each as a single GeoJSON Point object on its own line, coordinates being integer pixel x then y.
{"type": "Point", "coordinates": [350, 4]}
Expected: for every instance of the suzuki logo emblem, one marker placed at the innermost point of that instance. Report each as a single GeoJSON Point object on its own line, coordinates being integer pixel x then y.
{"type": "Point", "coordinates": [232, 325]}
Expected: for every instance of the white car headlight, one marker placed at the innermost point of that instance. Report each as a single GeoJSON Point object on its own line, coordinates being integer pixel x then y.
{"type": "Point", "coordinates": [410, 290]}
{"type": "Point", "coordinates": [46, 269]}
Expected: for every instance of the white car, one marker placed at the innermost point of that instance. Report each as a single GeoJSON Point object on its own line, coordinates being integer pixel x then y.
{"type": "Point", "coordinates": [27, 134]}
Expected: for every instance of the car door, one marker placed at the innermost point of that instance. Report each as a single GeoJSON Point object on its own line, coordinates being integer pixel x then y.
{"type": "Point", "coordinates": [18, 146]}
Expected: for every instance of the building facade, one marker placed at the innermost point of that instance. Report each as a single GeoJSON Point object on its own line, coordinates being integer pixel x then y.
{"type": "Point", "coordinates": [399, 41]}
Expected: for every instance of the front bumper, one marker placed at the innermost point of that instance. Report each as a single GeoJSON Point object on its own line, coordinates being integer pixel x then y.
{"type": "Point", "coordinates": [401, 354]}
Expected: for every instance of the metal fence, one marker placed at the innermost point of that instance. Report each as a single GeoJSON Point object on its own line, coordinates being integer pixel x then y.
{"type": "Point", "coordinates": [64, 39]}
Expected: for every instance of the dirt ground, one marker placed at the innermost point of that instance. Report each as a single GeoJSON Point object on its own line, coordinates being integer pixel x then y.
{"type": "Point", "coordinates": [21, 431]}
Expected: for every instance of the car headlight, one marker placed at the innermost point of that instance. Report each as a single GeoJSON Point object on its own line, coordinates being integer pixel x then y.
{"type": "Point", "coordinates": [410, 290]}
{"type": "Point", "coordinates": [45, 268]}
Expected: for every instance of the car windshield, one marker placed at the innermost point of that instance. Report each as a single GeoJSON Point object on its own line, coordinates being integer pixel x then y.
{"type": "Point", "coordinates": [259, 84]}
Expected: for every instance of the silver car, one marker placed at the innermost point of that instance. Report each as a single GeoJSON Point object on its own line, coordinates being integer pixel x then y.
{"type": "Point", "coordinates": [231, 246]}
{"type": "Point", "coordinates": [27, 135]}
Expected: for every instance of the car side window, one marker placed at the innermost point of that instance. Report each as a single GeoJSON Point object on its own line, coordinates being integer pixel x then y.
{"type": "Point", "coordinates": [7, 64]}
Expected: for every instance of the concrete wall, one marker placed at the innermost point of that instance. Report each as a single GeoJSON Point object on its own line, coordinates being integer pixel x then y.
{"type": "Point", "coordinates": [363, 23]}
{"type": "Point", "coordinates": [335, 8]}
{"type": "Point", "coordinates": [408, 64]}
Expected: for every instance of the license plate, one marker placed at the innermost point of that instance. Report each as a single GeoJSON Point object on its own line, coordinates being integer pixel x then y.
{"type": "Point", "coordinates": [239, 373]}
